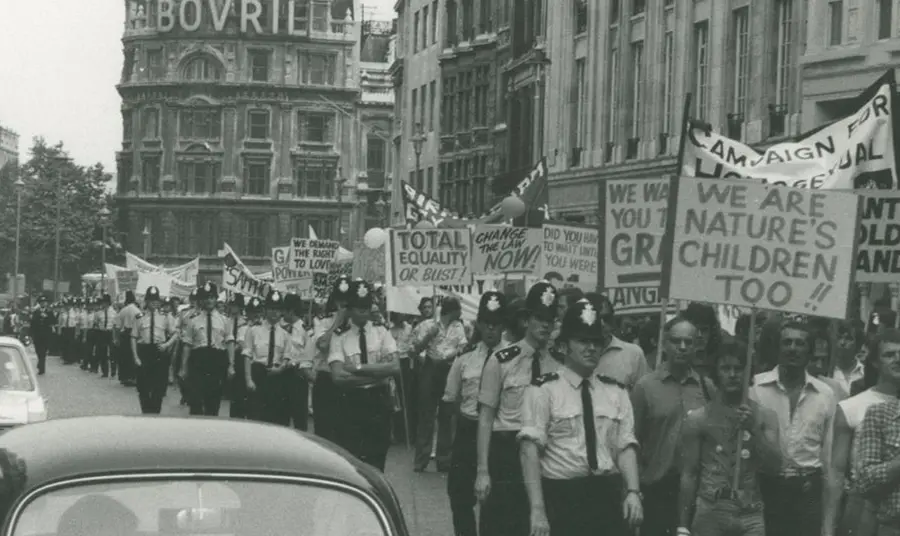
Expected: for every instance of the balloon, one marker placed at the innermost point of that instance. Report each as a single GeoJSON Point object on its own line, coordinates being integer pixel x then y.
{"type": "Point", "coordinates": [512, 207]}
{"type": "Point", "coordinates": [375, 238]}
{"type": "Point", "coordinates": [424, 224]}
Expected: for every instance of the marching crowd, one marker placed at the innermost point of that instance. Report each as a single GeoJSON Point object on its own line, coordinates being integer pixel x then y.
{"type": "Point", "coordinates": [547, 415]}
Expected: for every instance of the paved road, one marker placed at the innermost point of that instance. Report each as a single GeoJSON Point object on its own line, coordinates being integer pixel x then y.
{"type": "Point", "coordinates": [72, 392]}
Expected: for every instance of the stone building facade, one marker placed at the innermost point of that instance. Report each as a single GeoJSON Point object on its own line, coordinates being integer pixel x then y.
{"type": "Point", "coordinates": [9, 146]}
{"type": "Point", "coordinates": [620, 71]}
{"type": "Point", "coordinates": [238, 126]}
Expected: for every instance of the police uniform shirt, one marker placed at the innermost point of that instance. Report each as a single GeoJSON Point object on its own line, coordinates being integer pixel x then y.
{"type": "Point", "coordinates": [125, 318]}
{"type": "Point", "coordinates": [184, 319]}
{"type": "Point", "coordinates": [506, 375]}
{"type": "Point", "coordinates": [320, 326]}
{"type": "Point", "coordinates": [62, 319]}
{"type": "Point", "coordinates": [258, 338]}
{"type": "Point", "coordinates": [105, 318]}
{"type": "Point", "coordinates": [553, 417]}
{"type": "Point", "coordinates": [240, 337]}
{"type": "Point", "coordinates": [380, 346]}
{"type": "Point", "coordinates": [464, 380]}
{"type": "Point", "coordinates": [72, 318]}
{"type": "Point", "coordinates": [196, 332]}
{"type": "Point", "coordinates": [298, 349]}
{"type": "Point", "coordinates": [85, 319]}
{"type": "Point", "coordinates": [162, 327]}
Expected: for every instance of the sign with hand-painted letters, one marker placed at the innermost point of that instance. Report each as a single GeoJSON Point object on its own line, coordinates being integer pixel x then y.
{"type": "Point", "coordinates": [502, 249]}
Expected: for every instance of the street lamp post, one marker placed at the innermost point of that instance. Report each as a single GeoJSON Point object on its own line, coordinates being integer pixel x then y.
{"type": "Point", "coordinates": [146, 235]}
{"type": "Point", "coordinates": [20, 185]}
{"type": "Point", "coordinates": [60, 160]}
{"type": "Point", "coordinates": [104, 220]}
{"type": "Point", "coordinates": [382, 210]}
{"type": "Point", "coordinates": [340, 181]}
{"type": "Point", "coordinates": [418, 140]}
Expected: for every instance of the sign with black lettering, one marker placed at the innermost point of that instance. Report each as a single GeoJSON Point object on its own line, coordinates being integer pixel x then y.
{"type": "Point", "coordinates": [628, 301]}
{"type": "Point", "coordinates": [854, 152]}
{"type": "Point", "coordinates": [503, 249]}
{"type": "Point", "coordinates": [634, 221]}
{"type": "Point", "coordinates": [878, 260]}
{"type": "Point", "coordinates": [569, 258]}
{"type": "Point", "coordinates": [750, 244]}
{"type": "Point", "coordinates": [430, 257]}
{"type": "Point", "coordinates": [312, 255]}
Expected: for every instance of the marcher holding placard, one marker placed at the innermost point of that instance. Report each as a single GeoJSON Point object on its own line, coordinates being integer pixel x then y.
{"type": "Point", "coordinates": [499, 484]}
{"type": "Point", "coordinates": [661, 401]}
{"type": "Point", "coordinates": [805, 407]}
{"type": "Point", "coordinates": [708, 505]}
{"type": "Point", "coordinates": [578, 441]}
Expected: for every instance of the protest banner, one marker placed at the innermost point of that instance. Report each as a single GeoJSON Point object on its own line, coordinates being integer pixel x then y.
{"type": "Point", "coordinates": [570, 255]}
{"type": "Point", "coordinates": [637, 300]}
{"type": "Point", "coordinates": [181, 289]}
{"type": "Point", "coordinates": [368, 263]}
{"type": "Point", "coordinates": [126, 280]}
{"type": "Point", "coordinates": [236, 277]}
{"type": "Point", "coordinates": [312, 255]}
{"type": "Point", "coordinates": [286, 279]}
{"type": "Point", "coordinates": [878, 260]}
{"type": "Point", "coordinates": [634, 222]}
{"type": "Point", "coordinates": [855, 152]}
{"type": "Point", "coordinates": [430, 257]}
{"type": "Point", "coordinates": [750, 244]}
{"type": "Point", "coordinates": [323, 283]}
{"type": "Point", "coordinates": [186, 272]}
{"type": "Point", "coordinates": [501, 249]}
{"type": "Point", "coordinates": [160, 280]}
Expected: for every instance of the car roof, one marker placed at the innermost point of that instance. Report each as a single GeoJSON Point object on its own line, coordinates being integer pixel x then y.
{"type": "Point", "coordinates": [12, 341]}
{"type": "Point", "coordinates": [83, 446]}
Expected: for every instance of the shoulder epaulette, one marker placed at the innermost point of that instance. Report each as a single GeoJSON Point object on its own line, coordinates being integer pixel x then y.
{"type": "Point", "coordinates": [611, 381]}
{"type": "Point", "coordinates": [342, 329]}
{"type": "Point", "coordinates": [139, 315]}
{"type": "Point", "coordinates": [508, 353]}
{"type": "Point", "coordinates": [378, 323]}
{"type": "Point", "coordinates": [544, 378]}
{"type": "Point", "coordinates": [469, 348]}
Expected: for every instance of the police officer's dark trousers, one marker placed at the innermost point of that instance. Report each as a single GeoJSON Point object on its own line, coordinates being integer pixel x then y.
{"type": "Point", "coordinates": [68, 345]}
{"type": "Point", "coordinates": [586, 506]}
{"type": "Point", "coordinates": [152, 378]}
{"type": "Point", "coordinates": [41, 338]}
{"type": "Point", "coordinates": [100, 361]}
{"type": "Point", "coordinates": [89, 352]}
{"type": "Point", "coordinates": [238, 396]}
{"type": "Point", "coordinates": [269, 401]}
{"type": "Point", "coordinates": [326, 406]}
{"type": "Point", "coordinates": [506, 511]}
{"type": "Point", "coordinates": [365, 426]}
{"type": "Point", "coordinates": [461, 478]}
{"type": "Point", "coordinates": [297, 398]}
{"type": "Point", "coordinates": [207, 372]}
{"type": "Point", "coordinates": [126, 360]}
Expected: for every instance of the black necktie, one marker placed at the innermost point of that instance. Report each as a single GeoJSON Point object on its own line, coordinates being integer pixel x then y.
{"type": "Point", "coordinates": [235, 329]}
{"type": "Point", "coordinates": [590, 433]}
{"type": "Point", "coordinates": [209, 329]}
{"type": "Point", "coordinates": [535, 367]}
{"type": "Point", "coordinates": [363, 347]}
{"type": "Point", "coordinates": [152, 327]}
{"type": "Point", "coordinates": [105, 318]}
{"type": "Point", "coordinates": [271, 346]}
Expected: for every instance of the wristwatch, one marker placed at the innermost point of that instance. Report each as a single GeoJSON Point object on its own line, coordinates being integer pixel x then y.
{"type": "Point", "coordinates": [635, 492]}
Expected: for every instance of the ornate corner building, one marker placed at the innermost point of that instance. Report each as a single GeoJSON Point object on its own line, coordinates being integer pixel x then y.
{"type": "Point", "coordinates": [239, 125]}
{"type": "Point", "coordinates": [9, 146]}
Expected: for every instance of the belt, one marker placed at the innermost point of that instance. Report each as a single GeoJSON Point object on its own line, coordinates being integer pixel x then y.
{"type": "Point", "coordinates": [800, 472]}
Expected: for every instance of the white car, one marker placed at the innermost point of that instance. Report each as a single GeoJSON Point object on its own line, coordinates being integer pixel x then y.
{"type": "Point", "coordinates": [21, 401]}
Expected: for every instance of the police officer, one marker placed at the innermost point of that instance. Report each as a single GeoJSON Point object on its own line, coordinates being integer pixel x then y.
{"type": "Point", "coordinates": [363, 358]}
{"type": "Point", "coordinates": [184, 318]}
{"type": "Point", "coordinates": [153, 336]}
{"type": "Point", "coordinates": [463, 383]}
{"type": "Point", "coordinates": [208, 354]}
{"type": "Point", "coordinates": [89, 332]}
{"type": "Point", "coordinates": [499, 482]}
{"type": "Point", "coordinates": [69, 321]}
{"type": "Point", "coordinates": [326, 399]}
{"type": "Point", "coordinates": [578, 440]}
{"type": "Point", "coordinates": [42, 322]}
{"type": "Point", "coordinates": [300, 373]}
{"type": "Point", "coordinates": [238, 384]}
{"type": "Point", "coordinates": [268, 358]}
{"type": "Point", "coordinates": [123, 328]}
{"type": "Point", "coordinates": [104, 318]}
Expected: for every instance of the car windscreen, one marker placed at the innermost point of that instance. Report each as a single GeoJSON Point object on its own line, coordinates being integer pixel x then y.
{"type": "Point", "coordinates": [14, 374]}
{"type": "Point", "coordinates": [195, 507]}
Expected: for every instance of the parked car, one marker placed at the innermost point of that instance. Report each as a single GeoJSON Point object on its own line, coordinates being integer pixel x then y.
{"type": "Point", "coordinates": [149, 476]}
{"type": "Point", "coordinates": [21, 400]}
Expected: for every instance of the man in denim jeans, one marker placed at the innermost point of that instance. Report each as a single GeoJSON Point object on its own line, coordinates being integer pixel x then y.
{"type": "Point", "coordinates": [708, 502]}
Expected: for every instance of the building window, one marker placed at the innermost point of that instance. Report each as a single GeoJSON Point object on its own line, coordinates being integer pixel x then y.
{"type": "Point", "coordinates": [580, 113]}
{"type": "Point", "coordinates": [423, 91]}
{"type": "Point", "coordinates": [259, 65]}
{"type": "Point", "coordinates": [701, 62]}
{"type": "Point", "coordinates": [257, 237]}
{"type": "Point", "coordinates": [155, 64]}
{"type": "Point", "coordinates": [259, 124]}
{"type": "Point", "coordinates": [314, 180]}
{"type": "Point", "coordinates": [199, 177]}
{"type": "Point", "coordinates": [150, 172]}
{"type": "Point", "coordinates": [126, 169]}
{"type": "Point", "coordinates": [434, 22]}
{"type": "Point", "coordinates": [637, 87]}
{"type": "Point", "coordinates": [429, 182]}
{"type": "Point", "coordinates": [612, 106]}
{"type": "Point", "coordinates": [320, 16]}
{"type": "Point", "coordinates": [784, 63]}
{"type": "Point", "coordinates": [447, 105]}
{"type": "Point", "coordinates": [835, 22]}
{"type": "Point", "coordinates": [414, 109]}
{"type": "Point", "coordinates": [200, 124]}
{"type": "Point", "coordinates": [256, 178]}
{"type": "Point", "coordinates": [202, 69]}
{"type": "Point", "coordinates": [151, 123]}
{"type": "Point", "coordinates": [314, 127]}
{"type": "Point", "coordinates": [317, 69]}
{"type": "Point", "coordinates": [301, 16]}
{"type": "Point", "coordinates": [432, 97]}
{"type": "Point", "coordinates": [614, 11]}
{"type": "Point", "coordinates": [196, 234]}
{"type": "Point", "coordinates": [638, 7]}
{"type": "Point", "coordinates": [485, 18]}
{"type": "Point", "coordinates": [127, 125]}
{"type": "Point", "coordinates": [668, 90]}
{"type": "Point", "coordinates": [376, 161]}
{"type": "Point", "coordinates": [415, 32]}
{"type": "Point", "coordinates": [885, 18]}
{"type": "Point", "coordinates": [581, 16]}
{"type": "Point", "coordinates": [468, 20]}
{"type": "Point", "coordinates": [741, 64]}
{"type": "Point", "coordinates": [451, 37]}
{"type": "Point", "coordinates": [425, 27]}
{"type": "Point", "coordinates": [324, 228]}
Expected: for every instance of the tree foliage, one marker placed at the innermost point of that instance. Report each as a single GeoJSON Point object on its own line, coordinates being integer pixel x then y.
{"type": "Point", "coordinates": [53, 184]}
